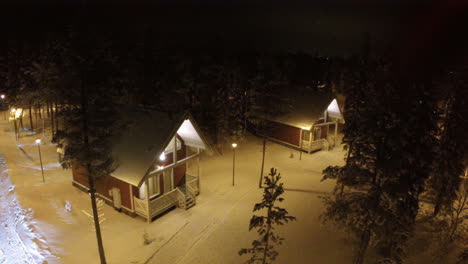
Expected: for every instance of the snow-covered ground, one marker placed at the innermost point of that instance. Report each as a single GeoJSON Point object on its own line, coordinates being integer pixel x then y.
{"type": "Point", "coordinates": [213, 231]}
{"type": "Point", "coordinates": [17, 237]}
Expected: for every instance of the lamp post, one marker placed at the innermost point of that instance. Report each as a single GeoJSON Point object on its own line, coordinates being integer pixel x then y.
{"type": "Point", "coordinates": [13, 111]}
{"type": "Point", "coordinates": [234, 145]}
{"type": "Point", "coordinates": [38, 142]}
{"type": "Point", "coordinates": [3, 105]}
{"type": "Point", "coordinates": [302, 140]}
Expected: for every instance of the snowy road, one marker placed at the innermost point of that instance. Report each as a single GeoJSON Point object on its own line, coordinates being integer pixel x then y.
{"type": "Point", "coordinates": [12, 248]}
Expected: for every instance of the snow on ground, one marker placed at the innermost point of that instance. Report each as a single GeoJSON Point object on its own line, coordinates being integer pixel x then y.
{"type": "Point", "coordinates": [17, 239]}
{"type": "Point", "coordinates": [212, 231]}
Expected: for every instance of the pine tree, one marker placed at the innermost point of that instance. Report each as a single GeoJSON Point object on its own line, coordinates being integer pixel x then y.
{"type": "Point", "coordinates": [452, 144]}
{"type": "Point", "coordinates": [389, 133]}
{"type": "Point", "coordinates": [92, 119]}
{"type": "Point", "coordinates": [263, 250]}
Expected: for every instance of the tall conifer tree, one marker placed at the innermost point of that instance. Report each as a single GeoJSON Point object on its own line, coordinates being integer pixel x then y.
{"type": "Point", "coordinates": [389, 133]}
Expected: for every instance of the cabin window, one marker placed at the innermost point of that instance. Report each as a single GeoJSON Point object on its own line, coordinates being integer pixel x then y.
{"type": "Point", "coordinates": [153, 185]}
{"type": "Point", "coordinates": [317, 133]}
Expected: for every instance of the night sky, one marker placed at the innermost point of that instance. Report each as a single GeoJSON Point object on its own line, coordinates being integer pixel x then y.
{"type": "Point", "coordinates": [333, 29]}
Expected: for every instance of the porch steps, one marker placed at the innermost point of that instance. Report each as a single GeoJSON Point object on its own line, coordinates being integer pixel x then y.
{"type": "Point", "coordinates": [189, 202]}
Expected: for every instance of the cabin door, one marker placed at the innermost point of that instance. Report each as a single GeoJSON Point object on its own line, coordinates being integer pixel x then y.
{"type": "Point", "coordinates": [168, 181]}
{"type": "Point", "coordinates": [116, 198]}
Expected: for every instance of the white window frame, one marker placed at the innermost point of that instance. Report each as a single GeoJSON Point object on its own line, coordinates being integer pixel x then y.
{"type": "Point", "coordinates": [154, 187]}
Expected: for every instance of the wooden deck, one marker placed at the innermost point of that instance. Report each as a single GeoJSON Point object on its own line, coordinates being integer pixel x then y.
{"type": "Point", "coordinates": [183, 196]}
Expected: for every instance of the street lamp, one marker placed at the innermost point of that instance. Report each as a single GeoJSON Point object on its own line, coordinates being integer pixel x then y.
{"type": "Point", "coordinates": [13, 111]}
{"type": "Point", "coordinates": [38, 142]}
{"type": "Point", "coordinates": [234, 145]}
{"type": "Point", "coordinates": [3, 105]}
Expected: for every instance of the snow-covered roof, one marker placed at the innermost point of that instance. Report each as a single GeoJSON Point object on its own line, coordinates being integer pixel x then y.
{"type": "Point", "coordinates": [146, 137]}
{"type": "Point", "coordinates": [307, 108]}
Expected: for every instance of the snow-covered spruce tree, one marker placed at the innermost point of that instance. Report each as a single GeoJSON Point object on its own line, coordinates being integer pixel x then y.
{"type": "Point", "coordinates": [263, 250]}
{"type": "Point", "coordinates": [389, 133]}
{"type": "Point", "coordinates": [452, 144]}
{"type": "Point", "coordinates": [451, 229]}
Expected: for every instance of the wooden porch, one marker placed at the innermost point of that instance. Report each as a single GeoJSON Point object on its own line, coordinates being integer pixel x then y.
{"type": "Point", "coordinates": [183, 196]}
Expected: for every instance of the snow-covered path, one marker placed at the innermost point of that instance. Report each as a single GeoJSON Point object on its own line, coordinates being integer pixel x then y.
{"type": "Point", "coordinates": [12, 248]}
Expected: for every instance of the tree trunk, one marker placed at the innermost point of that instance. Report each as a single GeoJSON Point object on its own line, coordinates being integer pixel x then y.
{"type": "Point", "coordinates": [40, 111]}
{"type": "Point", "coordinates": [52, 128]}
{"type": "Point", "coordinates": [265, 251]}
{"type": "Point", "coordinates": [56, 117]}
{"type": "Point", "coordinates": [48, 110]}
{"type": "Point", "coordinates": [364, 243]}
{"type": "Point", "coordinates": [31, 117]}
{"type": "Point", "coordinates": [36, 114]}
{"type": "Point", "coordinates": [263, 163]}
{"type": "Point", "coordinates": [92, 189]}
{"type": "Point", "coordinates": [21, 121]}
{"type": "Point", "coordinates": [436, 209]}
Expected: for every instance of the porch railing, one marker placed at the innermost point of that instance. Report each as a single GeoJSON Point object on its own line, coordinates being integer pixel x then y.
{"type": "Point", "coordinates": [157, 205]}
{"type": "Point", "coordinates": [191, 192]}
{"type": "Point", "coordinates": [319, 144]}
{"type": "Point", "coordinates": [140, 207]}
{"type": "Point", "coordinates": [163, 203]}
{"type": "Point", "coordinates": [194, 184]}
{"type": "Point", "coordinates": [180, 196]}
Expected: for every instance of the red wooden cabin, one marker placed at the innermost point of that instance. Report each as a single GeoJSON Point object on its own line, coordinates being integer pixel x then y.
{"type": "Point", "coordinates": [158, 157]}
{"type": "Point", "coordinates": [311, 125]}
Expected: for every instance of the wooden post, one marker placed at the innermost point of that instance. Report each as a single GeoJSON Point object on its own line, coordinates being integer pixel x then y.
{"type": "Point", "coordinates": [198, 169]}
{"type": "Point", "coordinates": [300, 144]}
{"type": "Point", "coordinates": [148, 218]}
{"type": "Point", "coordinates": [336, 132]}
{"type": "Point", "coordinates": [132, 205]}
{"type": "Point", "coordinates": [174, 159]}
{"type": "Point", "coordinates": [233, 164]}
{"type": "Point", "coordinates": [263, 163]}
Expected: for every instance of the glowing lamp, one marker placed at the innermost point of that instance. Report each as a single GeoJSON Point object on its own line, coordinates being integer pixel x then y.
{"type": "Point", "coordinates": [234, 145]}
{"type": "Point", "coordinates": [18, 112]}
{"type": "Point", "coordinates": [162, 157]}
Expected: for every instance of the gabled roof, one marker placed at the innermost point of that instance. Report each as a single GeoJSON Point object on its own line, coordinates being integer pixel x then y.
{"type": "Point", "coordinates": [146, 136]}
{"type": "Point", "coordinates": [307, 108]}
